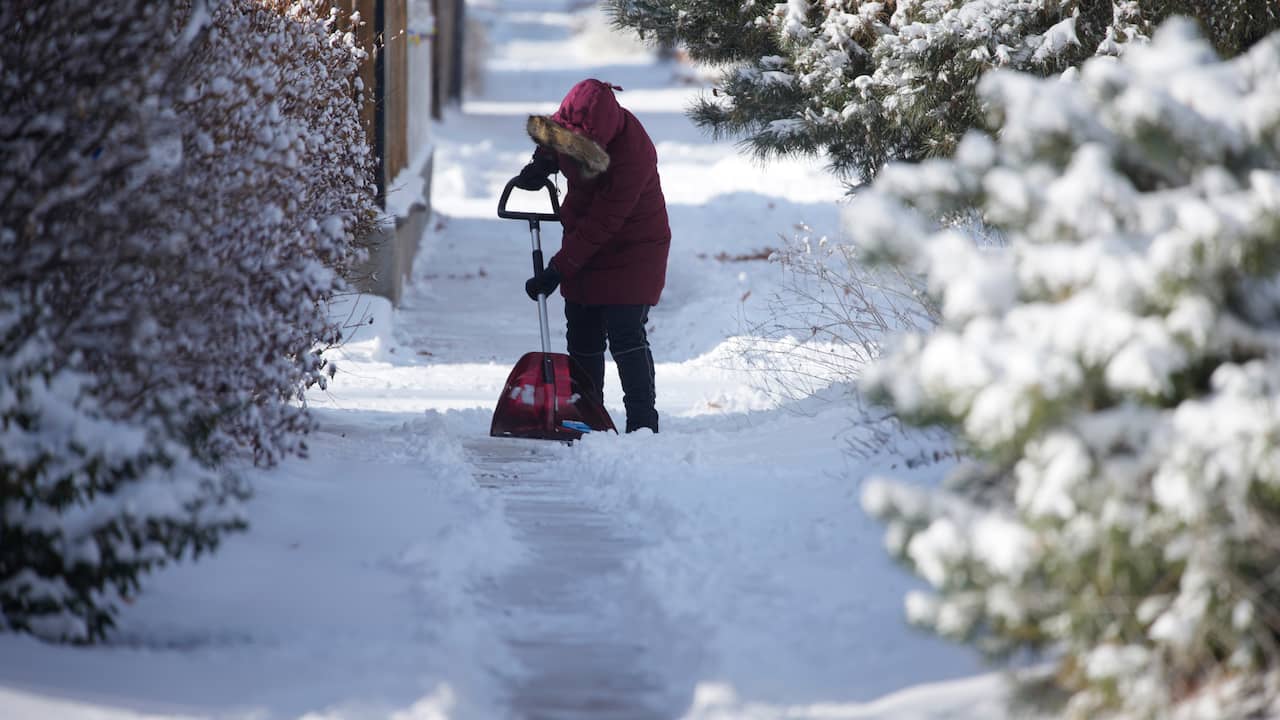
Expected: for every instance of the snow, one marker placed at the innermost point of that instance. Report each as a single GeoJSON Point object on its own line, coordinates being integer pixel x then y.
{"type": "Point", "coordinates": [981, 697]}
{"type": "Point", "coordinates": [364, 586]}
{"type": "Point", "coordinates": [935, 548]}
{"type": "Point", "coordinates": [1110, 660]}
{"type": "Point", "coordinates": [1056, 39]}
{"type": "Point", "coordinates": [1006, 547]}
{"type": "Point", "coordinates": [1053, 466]}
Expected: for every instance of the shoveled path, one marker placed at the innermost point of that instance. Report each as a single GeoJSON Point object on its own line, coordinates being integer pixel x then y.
{"type": "Point", "coordinates": [578, 616]}
{"type": "Point", "coordinates": [591, 636]}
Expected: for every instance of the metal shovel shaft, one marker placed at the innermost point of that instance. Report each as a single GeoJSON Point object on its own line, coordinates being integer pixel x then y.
{"type": "Point", "coordinates": [535, 236]}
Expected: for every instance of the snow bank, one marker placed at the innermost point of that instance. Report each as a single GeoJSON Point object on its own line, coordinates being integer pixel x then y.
{"type": "Point", "coordinates": [367, 325]}
{"type": "Point", "coordinates": [978, 698]}
{"type": "Point", "coordinates": [351, 596]}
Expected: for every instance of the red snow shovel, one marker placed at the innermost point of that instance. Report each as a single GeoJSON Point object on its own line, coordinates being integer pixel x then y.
{"type": "Point", "coordinates": [547, 395]}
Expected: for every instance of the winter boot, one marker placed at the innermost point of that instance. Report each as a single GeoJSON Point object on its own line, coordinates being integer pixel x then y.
{"type": "Point", "coordinates": [635, 370]}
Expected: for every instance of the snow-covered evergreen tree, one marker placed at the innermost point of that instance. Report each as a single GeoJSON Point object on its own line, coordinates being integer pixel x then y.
{"type": "Point", "coordinates": [180, 185]}
{"type": "Point", "coordinates": [1114, 374]}
{"type": "Point", "coordinates": [867, 82]}
{"type": "Point", "coordinates": [1232, 26]}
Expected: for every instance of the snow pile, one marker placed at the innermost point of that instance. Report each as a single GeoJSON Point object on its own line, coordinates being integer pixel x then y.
{"type": "Point", "coordinates": [1113, 373]}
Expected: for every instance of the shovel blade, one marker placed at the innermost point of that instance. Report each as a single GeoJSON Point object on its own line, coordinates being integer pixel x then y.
{"type": "Point", "coordinates": [547, 396]}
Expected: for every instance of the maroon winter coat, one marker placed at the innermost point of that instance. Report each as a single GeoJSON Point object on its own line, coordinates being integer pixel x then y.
{"type": "Point", "coordinates": [616, 235]}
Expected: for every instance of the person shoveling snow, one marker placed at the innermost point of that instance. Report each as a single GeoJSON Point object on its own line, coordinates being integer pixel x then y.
{"type": "Point", "coordinates": [612, 264]}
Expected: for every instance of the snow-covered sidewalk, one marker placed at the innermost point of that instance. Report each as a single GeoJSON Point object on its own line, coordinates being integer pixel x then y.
{"type": "Point", "coordinates": [414, 568]}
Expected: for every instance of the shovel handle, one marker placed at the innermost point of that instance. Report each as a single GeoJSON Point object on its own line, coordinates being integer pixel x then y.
{"type": "Point", "coordinates": [553, 216]}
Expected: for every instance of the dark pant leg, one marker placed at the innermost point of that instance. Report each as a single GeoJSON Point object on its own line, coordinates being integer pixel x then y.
{"type": "Point", "coordinates": [629, 345]}
{"type": "Point", "coordinates": [585, 336]}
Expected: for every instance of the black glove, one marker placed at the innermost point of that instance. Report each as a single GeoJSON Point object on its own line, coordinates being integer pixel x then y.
{"type": "Point", "coordinates": [534, 175]}
{"type": "Point", "coordinates": [543, 283]}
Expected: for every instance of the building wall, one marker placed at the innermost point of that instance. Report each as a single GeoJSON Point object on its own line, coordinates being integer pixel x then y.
{"type": "Point", "coordinates": [422, 27]}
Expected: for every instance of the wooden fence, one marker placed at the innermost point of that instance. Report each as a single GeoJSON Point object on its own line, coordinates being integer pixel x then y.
{"type": "Point", "coordinates": [380, 32]}
{"type": "Point", "coordinates": [383, 32]}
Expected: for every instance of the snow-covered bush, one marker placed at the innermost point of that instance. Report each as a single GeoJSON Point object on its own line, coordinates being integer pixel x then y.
{"type": "Point", "coordinates": [867, 82]}
{"type": "Point", "coordinates": [276, 180]}
{"type": "Point", "coordinates": [1114, 374]}
{"type": "Point", "coordinates": [180, 185]}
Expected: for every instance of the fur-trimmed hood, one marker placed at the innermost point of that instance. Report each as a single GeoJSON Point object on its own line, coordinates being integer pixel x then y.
{"type": "Point", "coordinates": [588, 120]}
{"type": "Point", "coordinates": [590, 156]}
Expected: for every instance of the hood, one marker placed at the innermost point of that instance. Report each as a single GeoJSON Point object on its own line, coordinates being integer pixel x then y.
{"type": "Point", "coordinates": [589, 119]}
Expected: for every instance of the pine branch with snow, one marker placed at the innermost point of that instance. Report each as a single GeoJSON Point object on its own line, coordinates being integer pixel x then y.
{"type": "Point", "coordinates": [1112, 372]}
{"type": "Point", "coordinates": [182, 183]}
{"type": "Point", "coordinates": [868, 82]}
{"type": "Point", "coordinates": [1231, 26]}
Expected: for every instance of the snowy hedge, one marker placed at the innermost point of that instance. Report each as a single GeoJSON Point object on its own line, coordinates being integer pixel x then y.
{"type": "Point", "coordinates": [868, 82]}
{"type": "Point", "coordinates": [1114, 373]}
{"type": "Point", "coordinates": [181, 183]}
